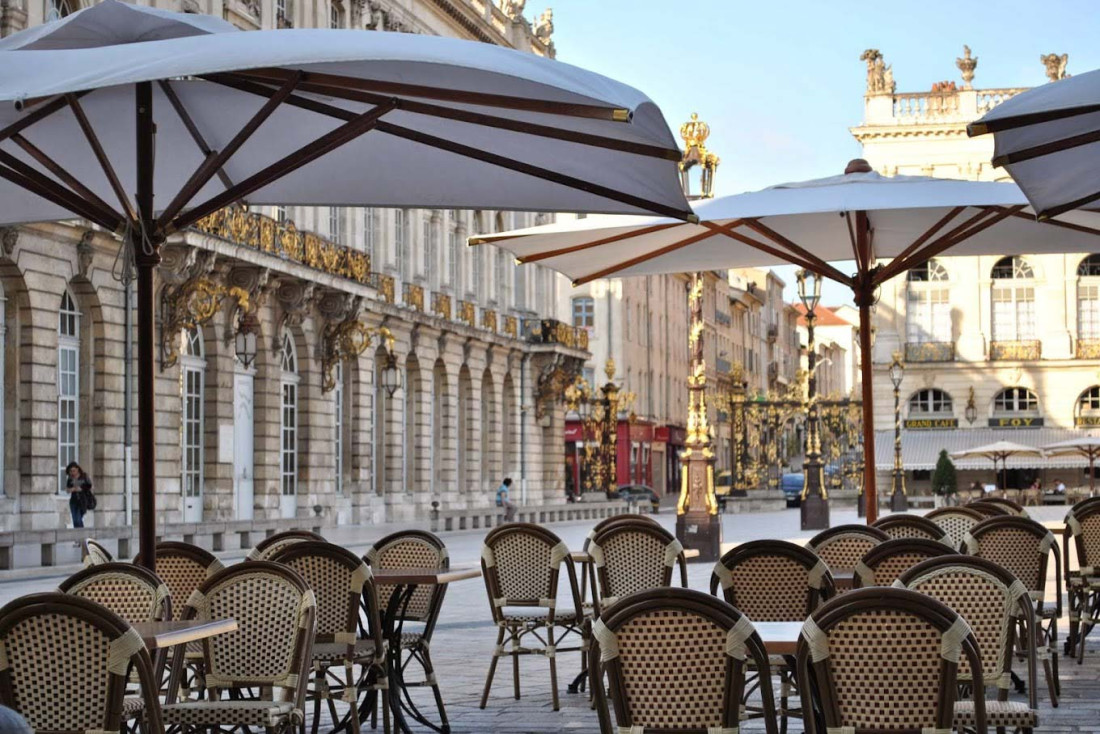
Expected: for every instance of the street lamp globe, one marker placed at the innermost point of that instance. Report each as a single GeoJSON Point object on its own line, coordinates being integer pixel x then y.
{"type": "Point", "coordinates": [809, 289]}
{"type": "Point", "coordinates": [391, 376]}
{"type": "Point", "coordinates": [897, 371]}
{"type": "Point", "coordinates": [244, 341]}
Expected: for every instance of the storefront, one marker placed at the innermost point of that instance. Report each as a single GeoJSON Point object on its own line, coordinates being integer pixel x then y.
{"type": "Point", "coordinates": [634, 453]}
{"type": "Point", "coordinates": [668, 441]}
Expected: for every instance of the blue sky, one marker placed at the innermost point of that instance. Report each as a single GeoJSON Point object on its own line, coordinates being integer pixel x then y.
{"type": "Point", "coordinates": [781, 82]}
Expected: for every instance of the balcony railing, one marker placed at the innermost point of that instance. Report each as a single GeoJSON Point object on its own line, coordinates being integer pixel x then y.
{"type": "Point", "coordinates": [1088, 349]}
{"type": "Point", "coordinates": [1029, 349]}
{"type": "Point", "coordinates": [489, 320]}
{"type": "Point", "coordinates": [467, 313]}
{"type": "Point", "coordinates": [413, 295]}
{"type": "Point", "coordinates": [384, 284]}
{"type": "Point", "coordinates": [552, 331]}
{"type": "Point", "coordinates": [773, 332]}
{"type": "Point", "coordinates": [441, 305]}
{"type": "Point", "coordinates": [724, 365]}
{"type": "Point", "coordinates": [930, 352]}
{"type": "Point", "coordinates": [511, 327]}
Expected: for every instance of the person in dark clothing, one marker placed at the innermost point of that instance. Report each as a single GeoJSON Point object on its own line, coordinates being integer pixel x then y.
{"type": "Point", "coordinates": [79, 485]}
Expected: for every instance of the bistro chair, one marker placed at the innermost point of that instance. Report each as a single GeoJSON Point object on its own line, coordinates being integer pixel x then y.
{"type": "Point", "coordinates": [989, 508]}
{"type": "Point", "coordinates": [886, 659]}
{"type": "Point", "coordinates": [884, 563]}
{"type": "Point", "coordinates": [774, 581]}
{"type": "Point", "coordinates": [1083, 581]}
{"type": "Point", "coordinates": [338, 579]}
{"type": "Point", "coordinates": [269, 546]}
{"type": "Point", "coordinates": [676, 660]}
{"type": "Point", "coordinates": [842, 546]}
{"type": "Point", "coordinates": [1013, 507]}
{"type": "Point", "coordinates": [414, 549]}
{"type": "Point", "coordinates": [904, 525]}
{"type": "Point", "coordinates": [993, 602]}
{"type": "Point", "coordinates": [586, 569]}
{"type": "Point", "coordinates": [275, 611]}
{"type": "Point", "coordinates": [1023, 547]}
{"type": "Point", "coordinates": [956, 522]}
{"type": "Point", "coordinates": [632, 557]}
{"type": "Point", "coordinates": [65, 662]}
{"type": "Point", "coordinates": [520, 563]}
{"type": "Point", "coordinates": [93, 553]}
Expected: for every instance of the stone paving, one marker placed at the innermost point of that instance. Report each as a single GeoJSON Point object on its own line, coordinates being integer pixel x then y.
{"type": "Point", "coordinates": [465, 637]}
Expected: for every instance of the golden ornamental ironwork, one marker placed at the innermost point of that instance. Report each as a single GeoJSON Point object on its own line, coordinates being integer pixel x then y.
{"type": "Point", "coordinates": [930, 352]}
{"type": "Point", "coordinates": [1024, 350]}
{"type": "Point", "coordinates": [489, 319]}
{"type": "Point", "coordinates": [346, 340]}
{"type": "Point", "coordinates": [189, 305]}
{"type": "Point", "coordinates": [385, 285]}
{"type": "Point", "coordinates": [599, 408]}
{"type": "Point", "coordinates": [467, 313]}
{"type": "Point", "coordinates": [413, 296]}
{"type": "Point", "coordinates": [441, 305]}
{"type": "Point", "coordinates": [511, 327]}
{"type": "Point", "coordinates": [1088, 349]}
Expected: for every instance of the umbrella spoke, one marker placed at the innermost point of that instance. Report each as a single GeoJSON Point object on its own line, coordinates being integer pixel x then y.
{"type": "Point", "coordinates": [715, 229]}
{"type": "Point", "coordinates": [578, 248]}
{"type": "Point", "coordinates": [216, 160]}
{"type": "Point", "coordinates": [66, 178]}
{"type": "Point", "coordinates": [358, 125]}
{"type": "Point", "coordinates": [1054, 146]}
{"type": "Point", "coordinates": [928, 233]}
{"type": "Point", "coordinates": [1058, 223]}
{"type": "Point", "coordinates": [101, 156]}
{"type": "Point", "coordinates": [1054, 211]}
{"type": "Point", "coordinates": [20, 174]}
{"type": "Point", "coordinates": [192, 128]}
{"type": "Point", "coordinates": [860, 265]}
{"type": "Point", "coordinates": [776, 252]}
{"type": "Point", "coordinates": [55, 104]}
{"type": "Point", "coordinates": [821, 266]}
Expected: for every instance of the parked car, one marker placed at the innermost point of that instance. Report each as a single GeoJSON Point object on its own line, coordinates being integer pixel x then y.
{"type": "Point", "coordinates": [638, 493]}
{"type": "Point", "coordinates": [792, 485]}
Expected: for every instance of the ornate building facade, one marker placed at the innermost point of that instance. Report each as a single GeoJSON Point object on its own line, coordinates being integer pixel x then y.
{"type": "Point", "coordinates": [994, 347]}
{"type": "Point", "coordinates": [307, 430]}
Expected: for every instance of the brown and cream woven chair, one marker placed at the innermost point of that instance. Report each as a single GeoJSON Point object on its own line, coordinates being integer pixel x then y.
{"type": "Point", "coordinates": [904, 525]}
{"type": "Point", "coordinates": [956, 522]}
{"type": "Point", "coordinates": [586, 571]}
{"type": "Point", "coordinates": [993, 602]}
{"type": "Point", "coordinates": [1012, 506]}
{"type": "Point", "coordinates": [989, 508]}
{"type": "Point", "coordinates": [1083, 580]}
{"type": "Point", "coordinates": [632, 557]}
{"type": "Point", "coordinates": [1023, 547]}
{"type": "Point", "coordinates": [272, 544]}
{"type": "Point", "coordinates": [93, 553]}
{"type": "Point", "coordinates": [774, 581]}
{"type": "Point", "coordinates": [275, 611]}
{"type": "Point", "coordinates": [338, 579]}
{"type": "Point", "coordinates": [520, 563]}
{"type": "Point", "coordinates": [886, 659]}
{"type": "Point", "coordinates": [842, 546]}
{"type": "Point", "coordinates": [884, 563]}
{"type": "Point", "coordinates": [414, 549]}
{"type": "Point", "coordinates": [64, 662]}
{"type": "Point", "coordinates": [676, 662]}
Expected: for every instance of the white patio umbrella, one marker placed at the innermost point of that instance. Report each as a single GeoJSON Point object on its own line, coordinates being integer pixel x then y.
{"type": "Point", "coordinates": [859, 216]}
{"type": "Point", "coordinates": [998, 451]}
{"type": "Point", "coordinates": [144, 121]}
{"type": "Point", "coordinates": [1048, 139]}
{"type": "Point", "coordinates": [1085, 446]}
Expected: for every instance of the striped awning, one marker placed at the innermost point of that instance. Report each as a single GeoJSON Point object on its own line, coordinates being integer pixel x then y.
{"type": "Point", "coordinates": [921, 449]}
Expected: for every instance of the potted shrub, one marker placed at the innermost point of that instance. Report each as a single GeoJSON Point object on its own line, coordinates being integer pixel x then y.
{"type": "Point", "coordinates": [944, 480]}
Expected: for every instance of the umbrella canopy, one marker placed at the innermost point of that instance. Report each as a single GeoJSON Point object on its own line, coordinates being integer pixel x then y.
{"type": "Point", "coordinates": [1086, 446]}
{"type": "Point", "coordinates": [144, 121]}
{"type": "Point", "coordinates": [859, 216]}
{"type": "Point", "coordinates": [999, 451]}
{"type": "Point", "coordinates": [1048, 139]}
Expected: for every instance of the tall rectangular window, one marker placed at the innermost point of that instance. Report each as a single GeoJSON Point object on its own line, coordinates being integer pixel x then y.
{"type": "Point", "coordinates": [929, 315]}
{"type": "Point", "coordinates": [401, 243]}
{"type": "Point", "coordinates": [455, 247]}
{"type": "Point", "coordinates": [369, 227]}
{"type": "Point", "coordinates": [336, 227]}
{"type": "Point", "coordinates": [431, 264]}
{"type": "Point", "coordinates": [584, 311]}
{"type": "Point", "coordinates": [68, 386]}
{"type": "Point", "coordinates": [1088, 311]}
{"type": "Point", "coordinates": [289, 449]}
{"type": "Point", "coordinates": [1013, 313]}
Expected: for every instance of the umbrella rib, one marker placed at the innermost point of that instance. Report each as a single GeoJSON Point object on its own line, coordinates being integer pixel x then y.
{"type": "Point", "coordinates": [480, 118]}
{"type": "Point", "coordinates": [929, 233]}
{"type": "Point", "coordinates": [980, 127]}
{"type": "Point", "coordinates": [1059, 223]}
{"type": "Point", "coordinates": [1054, 211]}
{"type": "Point", "coordinates": [484, 99]}
{"type": "Point", "coordinates": [583, 246]}
{"type": "Point", "coordinates": [358, 125]}
{"type": "Point", "coordinates": [852, 240]}
{"type": "Point", "coordinates": [66, 178]}
{"type": "Point", "coordinates": [820, 265]}
{"type": "Point", "coordinates": [21, 175]}
{"type": "Point", "coordinates": [900, 265]}
{"type": "Point", "coordinates": [1055, 146]}
{"type": "Point", "coordinates": [101, 156]}
{"type": "Point", "coordinates": [57, 103]}
{"type": "Point", "coordinates": [216, 160]}
{"type": "Point", "coordinates": [654, 254]}
{"type": "Point", "coordinates": [758, 245]}
{"type": "Point", "coordinates": [192, 128]}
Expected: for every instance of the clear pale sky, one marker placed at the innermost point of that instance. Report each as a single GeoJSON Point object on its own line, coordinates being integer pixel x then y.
{"type": "Point", "coordinates": [781, 82]}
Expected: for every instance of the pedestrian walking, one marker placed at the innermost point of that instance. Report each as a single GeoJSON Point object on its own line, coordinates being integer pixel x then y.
{"type": "Point", "coordinates": [81, 499]}
{"type": "Point", "coordinates": [503, 501]}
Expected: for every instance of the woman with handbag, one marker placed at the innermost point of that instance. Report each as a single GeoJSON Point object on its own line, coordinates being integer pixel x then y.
{"type": "Point", "coordinates": [81, 499]}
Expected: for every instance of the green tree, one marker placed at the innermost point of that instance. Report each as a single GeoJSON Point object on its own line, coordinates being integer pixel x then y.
{"type": "Point", "coordinates": [944, 480]}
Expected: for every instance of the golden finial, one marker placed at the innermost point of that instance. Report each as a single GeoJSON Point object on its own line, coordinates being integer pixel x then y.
{"type": "Point", "coordinates": [609, 369]}
{"type": "Point", "coordinates": [694, 132]}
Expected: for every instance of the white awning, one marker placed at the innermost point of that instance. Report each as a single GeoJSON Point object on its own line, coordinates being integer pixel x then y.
{"type": "Point", "coordinates": [921, 449]}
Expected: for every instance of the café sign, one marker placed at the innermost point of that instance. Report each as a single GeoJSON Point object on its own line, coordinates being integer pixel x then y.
{"type": "Point", "coordinates": [1015, 422]}
{"type": "Point", "coordinates": [1087, 421]}
{"type": "Point", "coordinates": [930, 424]}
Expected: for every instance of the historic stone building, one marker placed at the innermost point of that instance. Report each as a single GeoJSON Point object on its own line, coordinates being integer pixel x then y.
{"type": "Point", "coordinates": [307, 430]}
{"type": "Point", "coordinates": [994, 347]}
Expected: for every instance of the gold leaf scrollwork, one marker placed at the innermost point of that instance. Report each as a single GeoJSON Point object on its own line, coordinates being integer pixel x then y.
{"type": "Point", "coordinates": [190, 305]}
{"type": "Point", "coordinates": [346, 340]}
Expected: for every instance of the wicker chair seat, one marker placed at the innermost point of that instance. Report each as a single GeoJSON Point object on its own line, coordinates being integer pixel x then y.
{"type": "Point", "coordinates": [332, 652]}
{"type": "Point", "coordinates": [239, 713]}
{"type": "Point", "coordinates": [1007, 714]}
{"type": "Point", "coordinates": [1077, 581]}
{"type": "Point", "coordinates": [562, 616]}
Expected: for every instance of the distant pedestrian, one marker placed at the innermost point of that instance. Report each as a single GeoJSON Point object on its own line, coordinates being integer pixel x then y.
{"type": "Point", "coordinates": [79, 485]}
{"type": "Point", "coordinates": [503, 501]}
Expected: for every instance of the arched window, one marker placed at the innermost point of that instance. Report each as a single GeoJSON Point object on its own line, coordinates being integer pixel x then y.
{"type": "Point", "coordinates": [1088, 306]}
{"type": "Point", "coordinates": [930, 402]}
{"type": "Point", "coordinates": [58, 9]}
{"type": "Point", "coordinates": [1087, 411]}
{"type": "Point", "coordinates": [288, 433]}
{"type": "Point", "coordinates": [928, 310]}
{"type": "Point", "coordinates": [335, 15]}
{"type": "Point", "coordinates": [1015, 401]}
{"type": "Point", "coordinates": [68, 385]}
{"type": "Point", "coordinates": [584, 311]}
{"type": "Point", "coordinates": [1013, 296]}
{"type": "Point", "coordinates": [192, 402]}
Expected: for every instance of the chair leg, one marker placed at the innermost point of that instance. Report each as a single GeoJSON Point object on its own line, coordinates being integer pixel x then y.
{"type": "Point", "coordinates": [493, 666]}
{"type": "Point", "coordinates": [552, 654]}
{"type": "Point", "coordinates": [515, 661]}
{"type": "Point", "coordinates": [1050, 681]}
{"type": "Point", "coordinates": [429, 670]}
{"type": "Point", "coordinates": [318, 693]}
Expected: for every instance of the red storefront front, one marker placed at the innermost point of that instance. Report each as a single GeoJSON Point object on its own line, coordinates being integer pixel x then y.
{"type": "Point", "coordinates": [633, 453]}
{"type": "Point", "coordinates": [672, 438]}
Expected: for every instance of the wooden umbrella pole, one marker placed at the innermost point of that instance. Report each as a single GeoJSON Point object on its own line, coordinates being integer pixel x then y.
{"type": "Point", "coordinates": [870, 493]}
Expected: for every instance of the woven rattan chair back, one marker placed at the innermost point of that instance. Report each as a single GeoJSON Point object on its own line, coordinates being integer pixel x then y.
{"type": "Point", "coordinates": [520, 563]}
{"type": "Point", "coordinates": [988, 508]}
{"type": "Point", "coordinates": [93, 553]}
{"type": "Point", "coordinates": [183, 567]}
{"type": "Point", "coordinates": [1083, 530]}
{"type": "Point", "coordinates": [1013, 507]}
{"type": "Point", "coordinates": [132, 592]}
{"type": "Point", "coordinates": [1019, 545]}
{"type": "Point", "coordinates": [338, 578]}
{"type": "Point", "coordinates": [411, 549]}
{"type": "Point", "coordinates": [65, 664]}
{"type": "Point", "coordinates": [990, 599]}
{"type": "Point", "coordinates": [617, 520]}
{"type": "Point", "coordinates": [275, 613]}
{"type": "Point", "coordinates": [884, 563]}
{"type": "Point", "coordinates": [675, 660]}
{"type": "Point", "coordinates": [904, 525]}
{"type": "Point", "coordinates": [956, 522]}
{"type": "Point", "coordinates": [772, 580]}
{"type": "Point", "coordinates": [633, 557]}
{"type": "Point", "coordinates": [842, 546]}
{"type": "Point", "coordinates": [886, 659]}
{"type": "Point", "coordinates": [266, 549]}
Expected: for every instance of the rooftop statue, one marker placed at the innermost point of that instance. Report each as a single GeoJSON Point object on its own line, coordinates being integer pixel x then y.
{"type": "Point", "coordinates": [880, 77]}
{"type": "Point", "coordinates": [1055, 65]}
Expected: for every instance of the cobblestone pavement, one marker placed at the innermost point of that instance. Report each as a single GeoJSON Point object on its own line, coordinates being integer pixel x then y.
{"type": "Point", "coordinates": [465, 637]}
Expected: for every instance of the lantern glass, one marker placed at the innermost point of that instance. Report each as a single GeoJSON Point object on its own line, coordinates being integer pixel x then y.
{"type": "Point", "coordinates": [897, 371]}
{"type": "Point", "coordinates": [244, 344]}
{"type": "Point", "coordinates": [391, 376]}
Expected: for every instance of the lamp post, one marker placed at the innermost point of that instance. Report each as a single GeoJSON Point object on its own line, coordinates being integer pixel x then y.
{"type": "Point", "coordinates": [815, 501]}
{"type": "Point", "coordinates": [598, 410]}
{"type": "Point", "coordinates": [898, 501]}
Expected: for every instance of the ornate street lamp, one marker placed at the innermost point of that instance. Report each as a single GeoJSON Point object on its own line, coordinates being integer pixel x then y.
{"type": "Point", "coordinates": [898, 500]}
{"type": "Point", "coordinates": [971, 413]}
{"type": "Point", "coordinates": [598, 410]}
{"type": "Point", "coordinates": [244, 341]}
{"type": "Point", "coordinates": [815, 500]}
{"type": "Point", "coordinates": [391, 376]}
